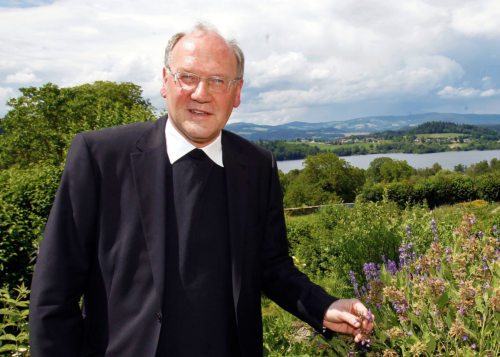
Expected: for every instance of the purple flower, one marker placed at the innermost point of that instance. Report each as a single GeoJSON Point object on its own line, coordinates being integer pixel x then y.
{"type": "Point", "coordinates": [372, 272]}
{"type": "Point", "coordinates": [405, 254]}
{"type": "Point", "coordinates": [465, 338]}
{"type": "Point", "coordinates": [400, 307]}
{"type": "Point", "coordinates": [473, 346]}
{"type": "Point", "coordinates": [354, 283]}
{"type": "Point", "coordinates": [461, 310]}
{"type": "Point", "coordinates": [485, 264]}
{"type": "Point", "coordinates": [434, 229]}
{"type": "Point", "coordinates": [391, 267]}
{"type": "Point", "coordinates": [369, 317]}
{"type": "Point", "coordinates": [409, 333]}
{"type": "Point", "coordinates": [480, 234]}
{"type": "Point", "coordinates": [408, 232]}
{"type": "Point", "coordinates": [495, 230]}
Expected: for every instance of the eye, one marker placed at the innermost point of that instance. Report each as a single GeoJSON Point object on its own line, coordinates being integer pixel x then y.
{"type": "Point", "coordinates": [217, 81]}
{"type": "Point", "coordinates": [188, 78]}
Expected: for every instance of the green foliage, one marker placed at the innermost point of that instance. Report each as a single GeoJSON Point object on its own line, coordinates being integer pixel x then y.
{"type": "Point", "coordinates": [43, 120]}
{"type": "Point", "coordinates": [14, 322]}
{"type": "Point", "coordinates": [325, 179]}
{"type": "Point", "coordinates": [287, 150]}
{"type": "Point", "coordinates": [25, 203]}
{"type": "Point", "coordinates": [443, 302]}
{"type": "Point", "coordinates": [441, 189]}
{"type": "Point", "coordinates": [385, 169]}
{"type": "Point", "coordinates": [489, 186]}
{"type": "Point", "coordinates": [339, 239]}
{"type": "Point", "coordinates": [310, 240]}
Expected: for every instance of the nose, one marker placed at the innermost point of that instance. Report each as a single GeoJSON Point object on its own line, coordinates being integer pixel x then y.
{"type": "Point", "coordinates": [201, 93]}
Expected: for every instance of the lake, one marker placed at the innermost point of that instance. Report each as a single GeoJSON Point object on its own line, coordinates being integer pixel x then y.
{"type": "Point", "coordinates": [447, 160]}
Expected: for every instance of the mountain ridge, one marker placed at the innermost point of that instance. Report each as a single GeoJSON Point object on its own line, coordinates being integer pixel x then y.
{"type": "Point", "coordinates": [331, 130]}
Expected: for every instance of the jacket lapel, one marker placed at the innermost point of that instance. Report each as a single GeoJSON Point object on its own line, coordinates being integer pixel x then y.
{"type": "Point", "coordinates": [237, 196]}
{"type": "Point", "coordinates": [150, 167]}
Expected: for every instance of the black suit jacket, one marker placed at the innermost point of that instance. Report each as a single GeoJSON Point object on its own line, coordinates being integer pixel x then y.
{"type": "Point", "coordinates": [105, 240]}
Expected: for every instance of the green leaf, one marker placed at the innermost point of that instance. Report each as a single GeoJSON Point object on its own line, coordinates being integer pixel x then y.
{"type": "Point", "coordinates": [430, 341]}
{"type": "Point", "coordinates": [8, 336]}
{"type": "Point", "coordinates": [443, 300]}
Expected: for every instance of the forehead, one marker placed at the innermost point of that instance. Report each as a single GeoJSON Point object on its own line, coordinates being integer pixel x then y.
{"type": "Point", "coordinates": [204, 52]}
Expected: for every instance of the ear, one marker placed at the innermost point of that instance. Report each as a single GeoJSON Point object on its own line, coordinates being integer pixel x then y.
{"type": "Point", "coordinates": [237, 98]}
{"type": "Point", "coordinates": [163, 90]}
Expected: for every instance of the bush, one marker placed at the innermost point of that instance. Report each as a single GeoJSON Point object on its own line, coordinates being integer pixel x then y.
{"type": "Point", "coordinates": [25, 203]}
{"type": "Point", "coordinates": [489, 187]}
{"type": "Point", "coordinates": [14, 322]}
{"type": "Point", "coordinates": [444, 302]}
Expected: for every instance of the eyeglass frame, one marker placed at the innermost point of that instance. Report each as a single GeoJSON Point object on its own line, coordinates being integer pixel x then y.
{"type": "Point", "coordinates": [175, 75]}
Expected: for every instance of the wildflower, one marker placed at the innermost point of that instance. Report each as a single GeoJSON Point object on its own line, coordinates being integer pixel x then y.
{"type": "Point", "coordinates": [418, 348]}
{"type": "Point", "coordinates": [473, 346]}
{"type": "Point", "coordinates": [369, 316]}
{"type": "Point", "coordinates": [405, 254]}
{"type": "Point", "coordinates": [408, 232]}
{"type": "Point", "coordinates": [485, 264]}
{"type": "Point", "coordinates": [372, 272]}
{"type": "Point", "coordinates": [480, 234]}
{"type": "Point", "coordinates": [495, 230]}
{"type": "Point", "coordinates": [389, 353]}
{"type": "Point", "coordinates": [409, 334]}
{"type": "Point", "coordinates": [434, 229]}
{"type": "Point", "coordinates": [391, 267]}
{"type": "Point", "coordinates": [465, 338]}
{"type": "Point", "coordinates": [354, 283]}
{"type": "Point", "coordinates": [457, 329]}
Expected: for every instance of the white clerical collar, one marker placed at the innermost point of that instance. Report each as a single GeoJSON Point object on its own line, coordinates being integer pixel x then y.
{"type": "Point", "coordinates": [178, 146]}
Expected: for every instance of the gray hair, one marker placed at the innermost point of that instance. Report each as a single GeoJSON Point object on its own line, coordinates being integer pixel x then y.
{"type": "Point", "coordinates": [238, 53]}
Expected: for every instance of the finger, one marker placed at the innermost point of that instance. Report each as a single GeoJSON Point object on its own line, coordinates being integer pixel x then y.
{"type": "Point", "coordinates": [347, 317]}
{"type": "Point", "coordinates": [341, 328]}
{"type": "Point", "coordinates": [359, 309]}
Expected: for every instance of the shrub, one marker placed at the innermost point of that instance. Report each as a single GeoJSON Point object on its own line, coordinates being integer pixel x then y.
{"type": "Point", "coordinates": [25, 203]}
{"type": "Point", "coordinates": [445, 302]}
{"type": "Point", "coordinates": [14, 322]}
{"type": "Point", "coordinates": [489, 187]}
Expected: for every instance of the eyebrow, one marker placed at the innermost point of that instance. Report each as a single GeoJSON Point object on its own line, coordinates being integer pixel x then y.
{"type": "Point", "coordinates": [182, 69]}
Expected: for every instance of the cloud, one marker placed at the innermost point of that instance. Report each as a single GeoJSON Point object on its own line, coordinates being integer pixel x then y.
{"type": "Point", "coordinates": [300, 56]}
{"type": "Point", "coordinates": [477, 18]}
{"type": "Point", "coordinates": [462, 92]}
{"type": "Point", "coordinates": [24, 76]}
{"type": "Point", "coordinates": [5, 94]}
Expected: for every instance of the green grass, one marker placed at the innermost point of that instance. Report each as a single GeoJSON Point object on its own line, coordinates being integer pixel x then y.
{"type": "Point", "coordinates": [440, 135]}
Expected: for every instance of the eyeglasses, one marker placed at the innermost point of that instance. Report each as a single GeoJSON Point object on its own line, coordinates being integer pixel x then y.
{"type": "Point", "coordinates": [190, 81]}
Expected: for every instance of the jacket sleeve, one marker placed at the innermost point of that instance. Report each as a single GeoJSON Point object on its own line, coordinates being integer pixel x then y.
{"type": "Point", "coordinates": [282, 281]}
{"type": "Point", "coordinates": [61, 271]}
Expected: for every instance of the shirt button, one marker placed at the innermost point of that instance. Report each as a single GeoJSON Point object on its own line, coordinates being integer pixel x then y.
{"type": "Point", "coordinates": [159, 317]}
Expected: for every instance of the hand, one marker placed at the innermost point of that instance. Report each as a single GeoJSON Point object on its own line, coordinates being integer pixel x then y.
{"type": "Point", "coordinates": [351, 317]}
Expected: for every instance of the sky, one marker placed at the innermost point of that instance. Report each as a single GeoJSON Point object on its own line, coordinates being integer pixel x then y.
{"type": "Point", "coordinates": [311, 61]}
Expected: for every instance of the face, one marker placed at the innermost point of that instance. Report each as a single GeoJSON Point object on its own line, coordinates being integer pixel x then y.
{"type": "Point", "coordinates": [200, 115]}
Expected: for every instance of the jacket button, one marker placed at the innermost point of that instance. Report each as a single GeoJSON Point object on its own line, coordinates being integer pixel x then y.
{"type": "Point", "coordinates": [159, 317]}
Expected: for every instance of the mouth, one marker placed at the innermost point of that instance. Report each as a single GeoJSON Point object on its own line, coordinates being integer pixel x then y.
{"type": "Point", "coordinates": [199, 112]}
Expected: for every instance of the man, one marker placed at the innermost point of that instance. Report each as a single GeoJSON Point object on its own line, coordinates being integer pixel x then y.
{"type": "Point", "coordinates": [171, 248]}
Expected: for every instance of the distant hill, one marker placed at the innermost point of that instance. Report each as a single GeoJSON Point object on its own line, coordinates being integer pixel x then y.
{"type": "Point", "coordinates": [334, 129]}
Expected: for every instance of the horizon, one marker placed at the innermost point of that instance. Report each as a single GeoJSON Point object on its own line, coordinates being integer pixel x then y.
{"type": "Point", "coordinates": [370, 117]}
{"type": "Point", "coordinates": [320, 62]}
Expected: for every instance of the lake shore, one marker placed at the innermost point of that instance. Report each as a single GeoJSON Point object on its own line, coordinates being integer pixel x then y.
{"type": "Point", "coordinates": [447, 159]}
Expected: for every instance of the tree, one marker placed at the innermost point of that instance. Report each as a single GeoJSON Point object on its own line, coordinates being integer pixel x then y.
{"type": "Point", "coordinates": [385, 169]}
{"type": "Point", "coordinates": [43, 120]}
{"type": "Point", "coordinates": [325, 179]}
